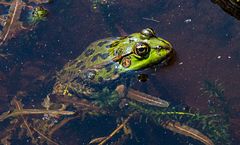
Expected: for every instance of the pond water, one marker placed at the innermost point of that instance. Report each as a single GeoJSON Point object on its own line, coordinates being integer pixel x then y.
{"type": "Point", "coordinates": [204, 37]}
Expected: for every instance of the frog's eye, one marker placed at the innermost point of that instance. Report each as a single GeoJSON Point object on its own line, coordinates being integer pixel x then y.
{"type": "Point", "coordinates": [141, 49]}
{"type": "Point", "coordinates": [148, 33]}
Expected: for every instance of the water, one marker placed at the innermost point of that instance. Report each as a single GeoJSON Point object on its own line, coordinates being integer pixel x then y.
{"type": "Point", "coordinates": [205, 38]}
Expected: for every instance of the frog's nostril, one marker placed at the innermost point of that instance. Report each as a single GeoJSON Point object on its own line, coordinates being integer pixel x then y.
{"type": "Point", "coordinates": [168, 48]}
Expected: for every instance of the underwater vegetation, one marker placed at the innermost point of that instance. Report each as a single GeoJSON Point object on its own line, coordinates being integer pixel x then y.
{"type": "Point", "coordinates": [188, 122]}
{"type": "Point", "coordinates": [218, 105]}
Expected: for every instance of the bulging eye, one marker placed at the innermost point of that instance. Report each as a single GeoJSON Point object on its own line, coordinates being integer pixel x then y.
{"type": "Point", "coordinates": [141, 49]}
{"type": "Point", "coordinates": [148, 33]}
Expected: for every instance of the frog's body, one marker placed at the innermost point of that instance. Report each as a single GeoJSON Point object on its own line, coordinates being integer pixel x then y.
{"type": "Point", "coordinates": [111, 62]}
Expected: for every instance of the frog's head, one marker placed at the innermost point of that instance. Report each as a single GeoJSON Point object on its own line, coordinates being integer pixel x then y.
{"type": "Point", "coordinates": [145, 50]}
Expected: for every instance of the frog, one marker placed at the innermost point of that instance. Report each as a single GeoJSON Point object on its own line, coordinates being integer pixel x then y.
{"type": "Point", "coordinates": [38, 13]}
{"type": "Point", "coordinates": [109, 64]}
{"type": "Point", "coordinates": [99, 81]}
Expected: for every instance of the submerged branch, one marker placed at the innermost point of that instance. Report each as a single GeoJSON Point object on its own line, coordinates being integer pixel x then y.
{"type": "Point", "coordinates": [44, 136]}
{"type": "Point", "coordinates": [61, 124]}
{"type": "Point", "coordinates": [117, 129]}
{"type": "Point", "coordinates": [19, 107]}
{"type": "Point", "coordinates": [33, 112]}
{"type": "Point", "coordinates": [187, 131]}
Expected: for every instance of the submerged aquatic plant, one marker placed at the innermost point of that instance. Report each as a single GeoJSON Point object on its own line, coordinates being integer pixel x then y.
{"type": "Point", "coordinates": [214, 125]}
{"type": "Point", "coordinates": [218, 105]}
{"type": "Point", "coordinates": [175, 118]}
{"type": "Point", "coordinates": [179, 120]}
{"type": "Point", "coordinates": [187, 123]}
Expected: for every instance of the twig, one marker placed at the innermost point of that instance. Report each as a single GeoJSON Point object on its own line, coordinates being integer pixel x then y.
{"type": "Point", "coordinates": [4, 56]}
{"type": "Point", "coordinates": [187, 131]}
{"type": "Point", "coordinates": [151, 19]}
{"type": "Point", "coordinates": [19, 108]}
{"type": "Point", "coordinates": [8, 114]}
{"type": "Point", "coordinates": [59, 125]}
{"type": "Point", "coordinates": [44, 136]}
{"type": "Point", "coordinates": [117, 129]}
{"type": "Point", "coordinates": [5, 3]}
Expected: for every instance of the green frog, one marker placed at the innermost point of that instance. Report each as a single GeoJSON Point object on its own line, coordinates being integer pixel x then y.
{"type": "Point", "coordinates": [109, 64]}
{"type": "Point", "coordinates": [39, 13]}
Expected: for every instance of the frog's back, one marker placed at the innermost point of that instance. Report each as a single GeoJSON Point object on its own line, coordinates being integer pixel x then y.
{"type": "Point", "coordinates": [96, 53]}
{"type": "Point", "coordinates": [89, 69]}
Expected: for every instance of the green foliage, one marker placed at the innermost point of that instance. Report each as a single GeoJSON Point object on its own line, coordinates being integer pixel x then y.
{"type": "Point", "coordinates": [106, 98]}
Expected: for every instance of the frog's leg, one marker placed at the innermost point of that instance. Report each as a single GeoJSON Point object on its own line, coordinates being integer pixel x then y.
{"type": "Point", "coordinates": [177, 127]}
{"type": "Point", "coordinates": [123, 125]}
{"type": "Point", "coordinates": [141, 97]}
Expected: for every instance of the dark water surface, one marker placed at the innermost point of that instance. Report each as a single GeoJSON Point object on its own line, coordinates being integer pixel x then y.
{"type": "Point", "coordinates": [205, 38]}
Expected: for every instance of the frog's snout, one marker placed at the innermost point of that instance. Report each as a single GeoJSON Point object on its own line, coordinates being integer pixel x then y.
{"type": "Point", "coordinates": [166, 52]}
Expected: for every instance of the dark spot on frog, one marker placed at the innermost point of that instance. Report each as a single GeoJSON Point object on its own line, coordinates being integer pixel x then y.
{"type": "Point", "coordinates": [89, 52]}
{"type": "Point", "coordinates": [107, 46]}
{"type": "Point", "coordinates": [71, 91]}
{"type": "Point", "coordinates": [62, 72]}
{"type": "Point", "coordinates": [115, 43]}
{"type": "Point", "coordinates": [115, 71]}
{"type": "Point", "coordinates": [100, 44]}
{"type": "Point", "coordinates": [104, 55]}
{"type": "Point", "coordinates": [94, 58]}
{"type": "Point", "coordinates": [118, 52]}
{"type": "Point", "coordinates": [77, 79]}
{"type": "Point", "coordinates": [108, 68]}
{"type": "Point", "coordinates": [82, 67]}
{"type": "Point", "coordinates": [79, 64]}
{"type": "Point", "coordinates": [100, 79]}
